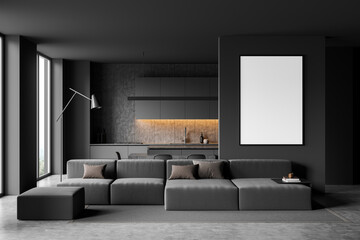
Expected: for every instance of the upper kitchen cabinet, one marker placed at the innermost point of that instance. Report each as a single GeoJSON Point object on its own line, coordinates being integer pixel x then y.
{"type": "Point", "coordinates": [147, 110]}
{"type": "Point", "coordinates": [147, 87]}
{"type": "Point", "coordinates": [175, 98]}
{"type": "Point", "coordinates": [197, 110]}
{"type": "Point", "coordinates": [213, 111]}
{"type": "Point", "coordinates": [172, 109]}
{"type": "Point", "coordinates": [213, 87]}
{"type": "Point", "coordinates": [172, 87]}
{"type": "Point", "coordinates": [197, 87]}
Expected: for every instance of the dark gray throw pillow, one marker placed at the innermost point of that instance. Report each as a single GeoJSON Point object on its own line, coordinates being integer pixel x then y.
{"type": "Point", "coordinates": [183, 172]}
{"type": "Point", "coordinates": [94, 171]}
{"type": "Point", "coordinates": [210, 169]}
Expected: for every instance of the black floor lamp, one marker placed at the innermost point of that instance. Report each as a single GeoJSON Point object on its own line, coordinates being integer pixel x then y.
{"type": "Point", "coordinates": [94, 105]}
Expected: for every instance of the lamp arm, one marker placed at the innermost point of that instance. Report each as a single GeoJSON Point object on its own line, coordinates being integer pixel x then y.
{"type": "Point", "coordinates": [66, 106]}
{"type": "Point", "coordinates": [80, 94]}
{"type": "Point", "coordinates": [75, 92]}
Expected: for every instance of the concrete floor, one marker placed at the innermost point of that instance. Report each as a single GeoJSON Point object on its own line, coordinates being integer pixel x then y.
{"type": "Point", "coordinates": [341, 200]}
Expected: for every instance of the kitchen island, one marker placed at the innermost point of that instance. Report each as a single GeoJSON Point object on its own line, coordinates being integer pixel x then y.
{"type": "Point", "coordinates": [143, 150]}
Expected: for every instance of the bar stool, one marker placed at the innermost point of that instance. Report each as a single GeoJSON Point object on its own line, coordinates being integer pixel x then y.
{"type": "Point", "coordinates": [196, 156]}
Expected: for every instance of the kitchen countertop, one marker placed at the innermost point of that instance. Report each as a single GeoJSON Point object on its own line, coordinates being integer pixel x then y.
{"type": "Point", "coordinates": [151, 156]}
{"type": "Point", "coordinates": [164, 146]}
{"type": "Point", "coordinates": [118, 144]}
{"type": "Point", "coordinates": [184, 146]}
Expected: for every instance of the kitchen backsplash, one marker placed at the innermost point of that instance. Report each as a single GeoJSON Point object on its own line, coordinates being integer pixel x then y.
{"type": "Point", "coordinates": [172, 131]}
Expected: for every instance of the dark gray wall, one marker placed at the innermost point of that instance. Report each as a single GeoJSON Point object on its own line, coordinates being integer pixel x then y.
{"type": "Point", "coordinates": [56, 108]}
{"type": "Point", "coordinates": [309, 159]}
{"type": "Point", "coordinates": [12, 115]}
{"type": "Point", "coordinates": [339, 115]}
{"type": "Point", "coordinates": [28, 115]}
{"type": "Point", "coordinates": [113, 83]}
{"type": "Point", "coordinates": [76, 119]}
{"type": "Point", "coordinates": [356, 111]}
{"type": "Point", "coordinates": [20, 115]}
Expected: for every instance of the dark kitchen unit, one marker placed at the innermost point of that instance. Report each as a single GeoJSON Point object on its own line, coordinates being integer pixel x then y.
{"type": "Point", "coordinates": [175, 98]}
{"type": "Point", "coordinates": [139, 151]}
{"type": "Point", "coordinates": [147, 107]}
{"type": "Point", "coordinates": [153, 103]}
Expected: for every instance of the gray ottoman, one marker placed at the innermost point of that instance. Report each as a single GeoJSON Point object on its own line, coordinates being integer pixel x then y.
{"type": "Point", "coordinates": [265, 194]}
{"type": "Point", "coordinates": [51, 203]}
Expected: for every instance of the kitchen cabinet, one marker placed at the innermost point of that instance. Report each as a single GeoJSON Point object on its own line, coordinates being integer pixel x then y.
{"type": "Point", "coordinates": [149, 87]}
{"type": "Point", "coordinates": [213, 110]}
{"type": "Point", "coordinates": [108, 152]}
{"type": "Point", "coordinates": [175, 98]}
{"type": "Point", "coordinates": [184, 152]}
{"type": "Point", "coordinates": [103, 151]}
{"type": "Point", "coordinates": [197, 87]}
{"type": "Point", "coordinates": [172, 87]}
{"type": "Point", "coordinates": [197, 110]}
{"type": "Point", "coordinates": [137, 149]}
{"type": "Point", "coordinates": [213, 87]}
{"type": "Point", "coordinates": [172, 110]}
{"type": "Point", "coordinates": [170, 151]}
{"type": "Point", "coordinates": [147, 110]}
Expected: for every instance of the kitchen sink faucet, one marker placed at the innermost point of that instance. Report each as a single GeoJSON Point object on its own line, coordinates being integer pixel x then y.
{"type": "Point", "coordinates": [185, 137]}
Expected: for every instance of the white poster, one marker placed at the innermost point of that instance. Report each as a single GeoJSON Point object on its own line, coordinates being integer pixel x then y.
{"type": "Point", "coordinates": [271, 100]}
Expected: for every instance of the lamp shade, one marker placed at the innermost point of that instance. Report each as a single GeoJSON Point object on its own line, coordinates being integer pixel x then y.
{"type": "Point", "coordinates": [94, 102]}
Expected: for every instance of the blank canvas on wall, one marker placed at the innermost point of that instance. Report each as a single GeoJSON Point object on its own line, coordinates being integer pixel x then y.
{"type": "Point", "coordinates": [271, 100]}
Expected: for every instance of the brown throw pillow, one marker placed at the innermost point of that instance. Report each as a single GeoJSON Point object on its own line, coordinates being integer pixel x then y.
{"type": "Point", "coordinates": [94, 171]}
{"type": "Point", "coordinates": [210, 169]}
{"type": "Point", "coordinates": [183, 171]}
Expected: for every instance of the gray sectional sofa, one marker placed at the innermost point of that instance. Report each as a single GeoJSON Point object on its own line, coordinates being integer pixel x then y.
{"type": "Point", "coordinates": [247, 185]}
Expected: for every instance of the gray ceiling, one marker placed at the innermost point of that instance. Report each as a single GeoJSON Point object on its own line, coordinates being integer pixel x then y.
{"type": "Point", "coordinates": [169, 30]}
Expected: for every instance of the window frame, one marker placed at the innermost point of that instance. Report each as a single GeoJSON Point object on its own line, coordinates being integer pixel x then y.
{"type": "Point", "coordinates": [47, 113]}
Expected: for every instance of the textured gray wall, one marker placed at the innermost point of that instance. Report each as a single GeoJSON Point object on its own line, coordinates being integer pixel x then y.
{"type": "Point", "coordinates": [309, 159]}
{"type": "Point", "coordinates": [20, 115]}
{"type": "Point", "coordinates": [113, 83]}
{"type": "Point", "coordinates": [339, 115]}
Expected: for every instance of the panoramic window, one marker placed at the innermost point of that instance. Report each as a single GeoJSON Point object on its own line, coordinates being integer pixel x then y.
{"type": "Point", "coordinates": [44, 80]}
{"type": "Point", "coordinates": [1, 113]}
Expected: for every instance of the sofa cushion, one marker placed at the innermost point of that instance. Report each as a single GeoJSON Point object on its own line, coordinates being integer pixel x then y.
{"type": "Point", "coordinates": [137, 191]}
{"type": "Point", "coordinates": [171, 162]}
{"type": "Point", "coordinates": [141, 168]}
{"type": "Point", "coordinates": [75, 167]}
{"type": "Point", "coordinates": [265, 194]}
{"type": "Point", "coordinates": [184, 171]}
{"type": "Point", "coordinates": [201, 194]}
{"type": "Point", "coordinates": [259, 168]}
{"type": "Point", "coordinates": [212, 169]}
{"type": "Point", "coordinates": [94, 171]}
{"type": "Point", "coordinates": [97, 191]}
